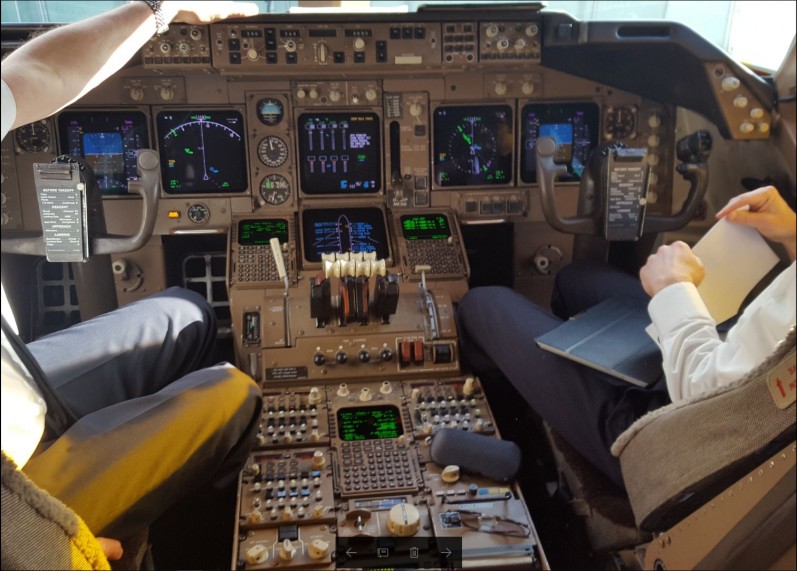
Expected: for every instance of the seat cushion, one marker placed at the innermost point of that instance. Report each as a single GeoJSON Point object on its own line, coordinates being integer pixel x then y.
{"type": "Point", "coordinates": [39, 531]}
{"type": "Point", "coordinates": [679, 456]}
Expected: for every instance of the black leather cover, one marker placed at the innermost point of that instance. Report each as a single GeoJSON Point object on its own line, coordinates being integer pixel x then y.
{"type": "Point", "coordinates": [476, 454]}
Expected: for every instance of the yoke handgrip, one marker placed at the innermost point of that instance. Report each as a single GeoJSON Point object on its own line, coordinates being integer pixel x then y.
{"type": "Point", "coordinates": [147, 187]}
{"type": "Point", "coordinates": [32, 243]}
{"type": "Point", "coordinates": [697, 175]}
{"type": "Point", "coordinates": [548, 171]}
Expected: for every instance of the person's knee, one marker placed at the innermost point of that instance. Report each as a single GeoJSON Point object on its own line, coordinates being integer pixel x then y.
{"type": "Point", "coordinates": [186, 308]}
{"type": "Point", "coordinates": [187, 300]}
{"type": "Point", "coordinates": [242, 394]}
{"type": "Point", "coordinates": [478, 297]}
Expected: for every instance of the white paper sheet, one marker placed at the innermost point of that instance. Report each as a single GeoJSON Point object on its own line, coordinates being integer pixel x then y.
{"type": "Point", "coordinates": [736, 258]}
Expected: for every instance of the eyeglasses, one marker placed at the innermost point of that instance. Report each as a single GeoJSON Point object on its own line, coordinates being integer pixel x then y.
{"type": "Point", "coordinates": [491, 523]}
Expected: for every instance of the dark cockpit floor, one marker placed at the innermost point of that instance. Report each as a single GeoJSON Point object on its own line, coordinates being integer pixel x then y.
{"type": "Point", "coordinates": [196, 533]}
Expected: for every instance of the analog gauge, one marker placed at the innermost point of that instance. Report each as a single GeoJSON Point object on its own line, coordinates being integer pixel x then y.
{"type": "Point", "coordinates": [198, 213]}
{"type": "Point", "coordinates": [620, 122]}
{"type": "Point", "coordinates": [33, 137]}
{"type": "Point", "coordinates": [272, 151]}
{"type": "Point", "coordinates": [270, 111]}
{"type": "Point", "coordinates": [275, 189]}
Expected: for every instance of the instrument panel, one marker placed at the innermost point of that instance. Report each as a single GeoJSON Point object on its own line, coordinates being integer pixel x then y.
{"type": "Point", "coordinates": [354, 166]}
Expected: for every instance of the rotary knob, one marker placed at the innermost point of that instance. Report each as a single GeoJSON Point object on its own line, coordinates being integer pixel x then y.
{"type": "Point", "coordinates": [450, 474]}
{"type": "Point", "coordinates": [256, 554]}
{"type": "Point", "coordinates": [319, 460]}
{"type": "Point", "coordinates": [731, 83]}
{"type": "Point", "coordinates": [287, 550]}
{"type": "Point", "coordinates": [364, 356]}
{"type": "Point", "coordinates": [319, 359]}
{"type": "Point", "coordinates": [318, 549]}
{"type": "Point", "coordinates": [404, 520]}
{"type": "Point", "coordinates": [315, 396]}
{"type": "Point", "coordinates": [136, 94]}
{"type": "Point", "coordinates": [341, 357]}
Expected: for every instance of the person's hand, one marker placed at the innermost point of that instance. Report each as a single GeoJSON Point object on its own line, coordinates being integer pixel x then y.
{"type": "Point", "coordinates": [671, 264]}
{"type": "Point", "coordinates": [205, 12]}
{"type": "Point", "coordinates": [765, 210]}
{"type": "Point", "coordinates": [111, 547]}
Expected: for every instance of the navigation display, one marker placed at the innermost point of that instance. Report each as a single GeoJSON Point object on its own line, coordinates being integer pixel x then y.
{"type": "Point", "coordinates": [425, 227]}
{"type": "Point", "coordinates": [369, 423]}
{"type": "Point", "coordinates": [339, 153]}
{"type": "Point", "coordinates": [340, 230]}
{"type": "Point", "coordinates": [574, 126]}
{"type": "Point", "coordinates": [473, 146]}
{"type": "Point", "coordinates": [202, 152]}
{"type": "Point", "coordinates": [260, 232]}
{"type": "Point", "coordinates": [108, 140]}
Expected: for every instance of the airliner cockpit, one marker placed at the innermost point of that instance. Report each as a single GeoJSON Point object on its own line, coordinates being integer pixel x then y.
{"type": "Point", "coordinates": [335, 181]}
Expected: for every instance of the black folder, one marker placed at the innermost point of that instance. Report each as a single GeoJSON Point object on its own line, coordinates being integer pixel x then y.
{"type": "Point", "coordinates": [609, 337]}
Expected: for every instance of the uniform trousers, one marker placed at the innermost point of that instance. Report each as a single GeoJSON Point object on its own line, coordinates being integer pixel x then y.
{"type": "Point", "coordinates": [155, 423]}
{"type": "Point", "coordinates": [589, 409]}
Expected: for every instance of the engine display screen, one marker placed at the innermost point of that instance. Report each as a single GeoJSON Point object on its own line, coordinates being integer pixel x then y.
{"type": "Point", "coordinates": [202, 152]}
{"type": "Point", "coordinates": [340, 230]}
{"type": "Point", "coordinates": [574, 126]}
{"type": "Point", "coordinates": [339, 153]}
{"type": "Point", "coordinates": [260, 232]}
{"type": "Point", "coordinates": [369, 423]}
{"type": "Point", "coordinates": [425, 227]}
{"type": "Point", "coordinates": [108, 141]}
{"type": "Point", "coordinates": [473, 146]}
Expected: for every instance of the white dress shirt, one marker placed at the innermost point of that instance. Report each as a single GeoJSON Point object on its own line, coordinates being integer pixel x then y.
{"type": "Point", "coordinates": [695, 358]}
{"type": "Point", "coordinates": [23, 407]}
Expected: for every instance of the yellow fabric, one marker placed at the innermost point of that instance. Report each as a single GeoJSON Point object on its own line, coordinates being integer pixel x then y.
{"type": "Point", "coordinates": [158, 445]}
{"type": "Point", "coordinates": [41, 532]}
{"type": "Point", "coordinates": [86, 549]}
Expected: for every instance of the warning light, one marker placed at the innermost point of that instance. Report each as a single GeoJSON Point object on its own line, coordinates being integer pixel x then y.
{"type": "Point", "coordinates": [174, 214]}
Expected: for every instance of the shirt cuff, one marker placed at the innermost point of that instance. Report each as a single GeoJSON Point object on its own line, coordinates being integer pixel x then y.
{"type": "Point", "coordinates": [674, 305]}
{"type": "Point", "coordinates": [9, 114]}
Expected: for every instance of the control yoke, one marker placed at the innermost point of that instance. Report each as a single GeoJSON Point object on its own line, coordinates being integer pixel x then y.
{"type": "Point", "coordinates": [613, 193]}
{"type": "Point", "coordinates": [73, 222]}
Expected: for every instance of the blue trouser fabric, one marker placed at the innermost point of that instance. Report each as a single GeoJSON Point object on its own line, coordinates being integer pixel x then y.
{"type": "Point", "coordinates": [589, 409]}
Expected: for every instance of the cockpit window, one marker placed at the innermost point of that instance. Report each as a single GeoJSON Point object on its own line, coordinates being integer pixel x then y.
{"type": "Point", "coordinates": [731, 25]}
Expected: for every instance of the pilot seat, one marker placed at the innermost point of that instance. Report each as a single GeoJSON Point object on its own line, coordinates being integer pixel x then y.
{"type": "Point", "coordinates": [710, 481]}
